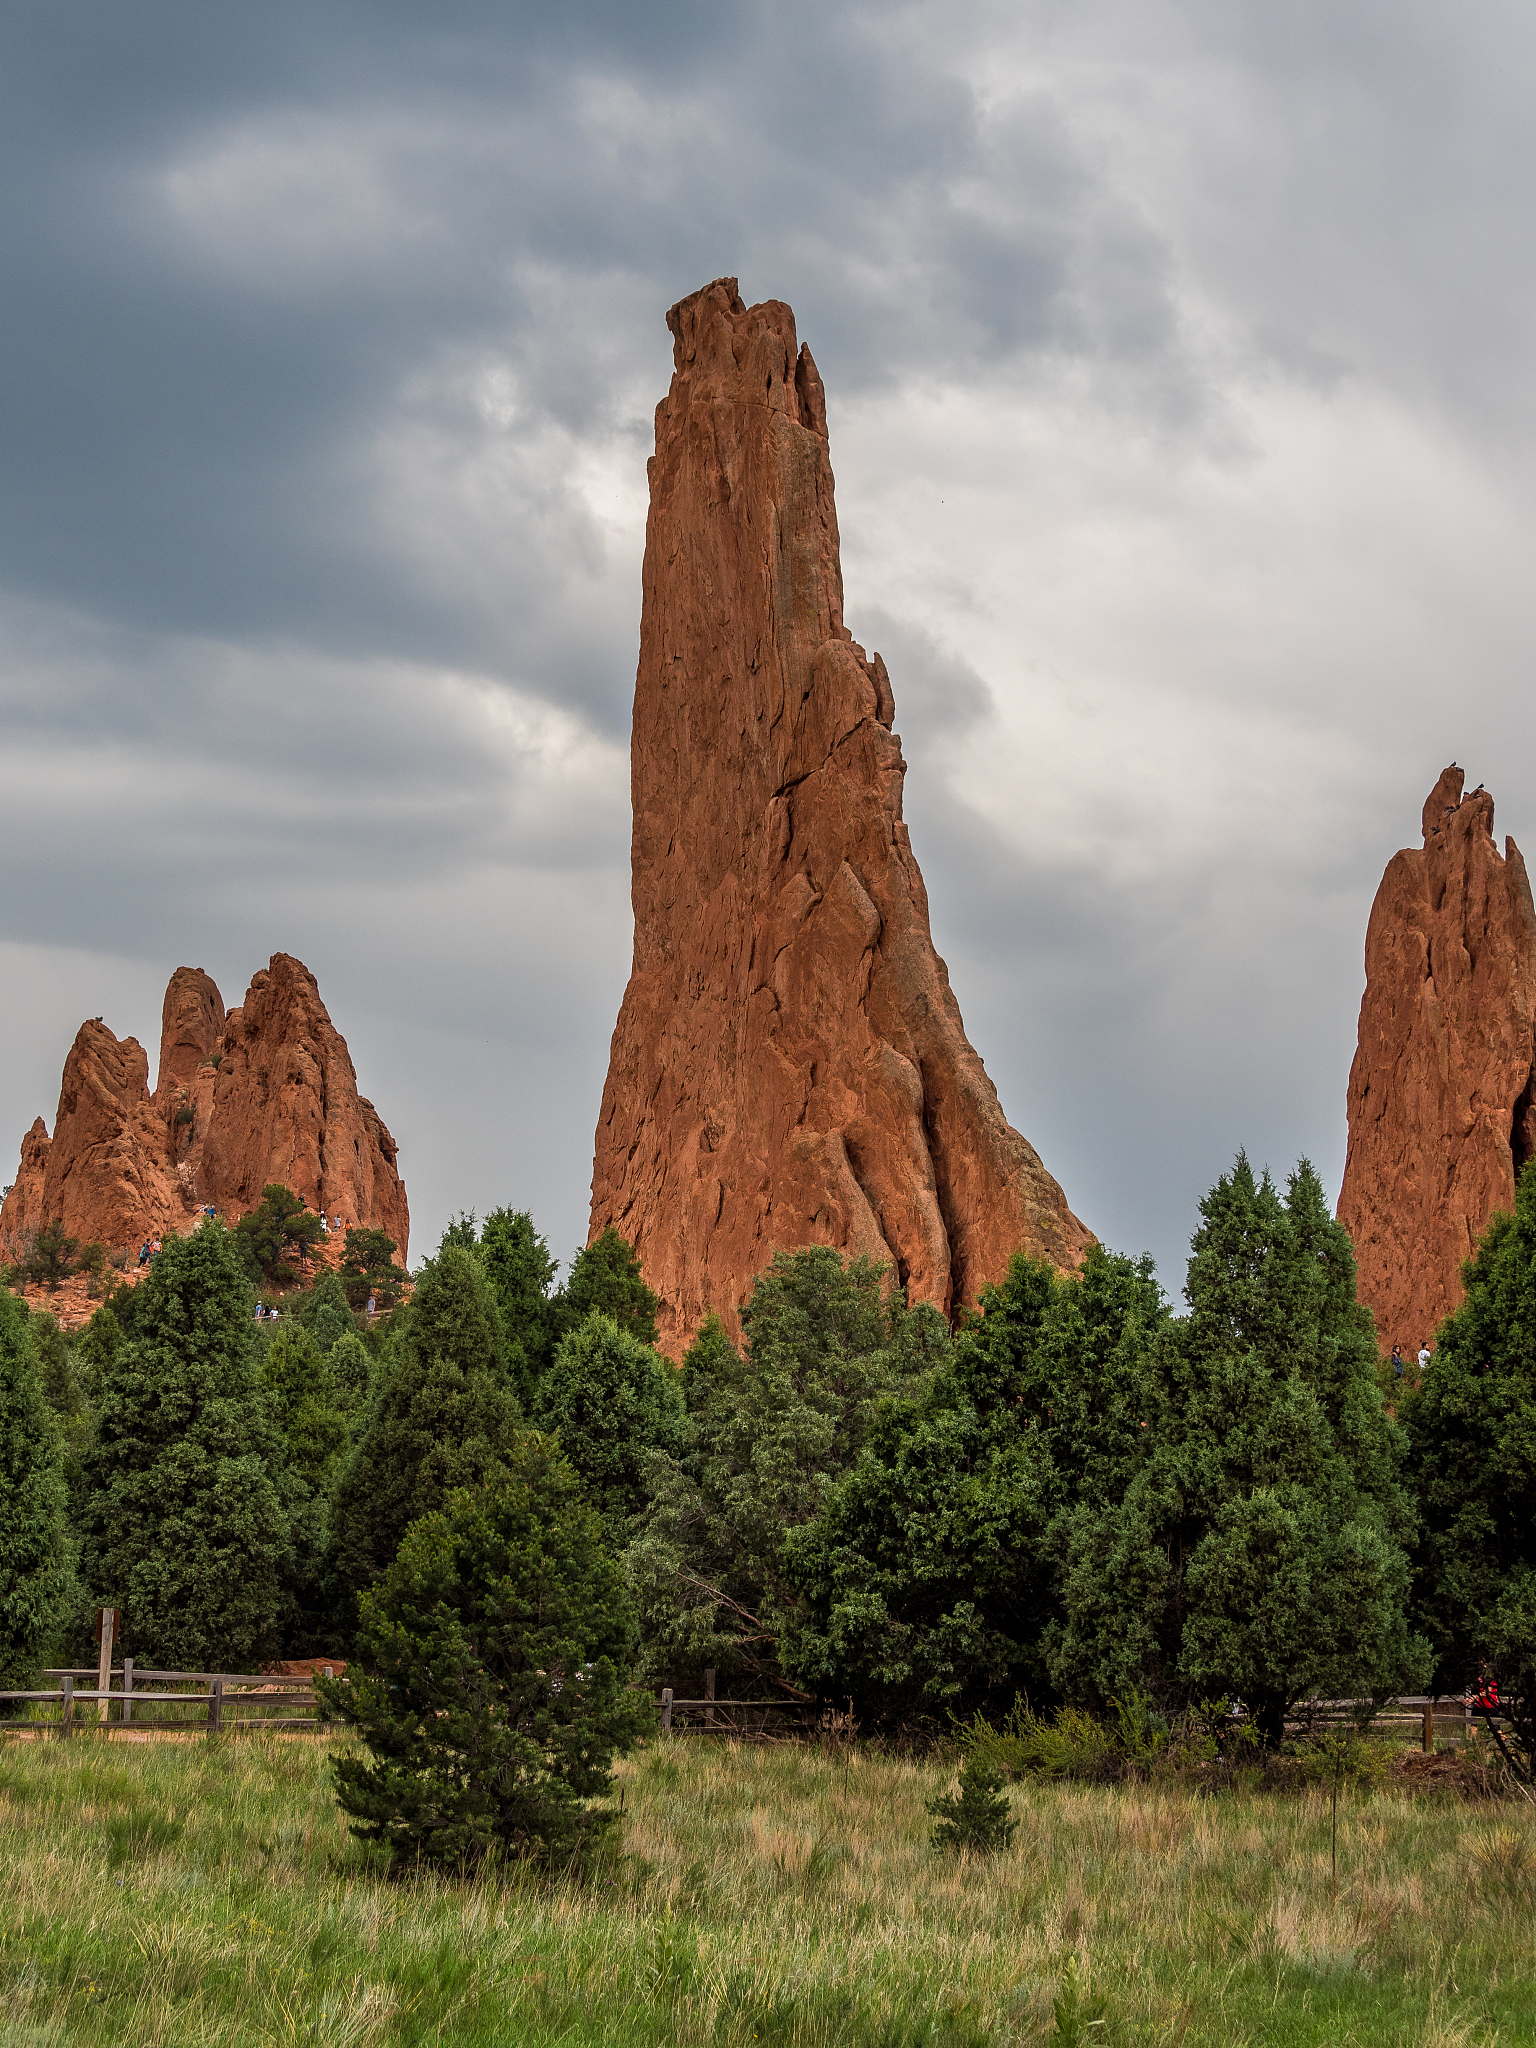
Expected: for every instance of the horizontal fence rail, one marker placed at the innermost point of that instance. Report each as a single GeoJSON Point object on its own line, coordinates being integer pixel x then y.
{"type": "Point", "coordinates": [145, 1699]}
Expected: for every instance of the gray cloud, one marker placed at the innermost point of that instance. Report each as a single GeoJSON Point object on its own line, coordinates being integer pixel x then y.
{"type": "Point", "coordinates": [1178, 363]}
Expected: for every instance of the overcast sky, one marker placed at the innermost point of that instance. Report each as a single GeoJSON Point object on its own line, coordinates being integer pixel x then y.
{"type": "Point", "coordinates": [1179, 363]}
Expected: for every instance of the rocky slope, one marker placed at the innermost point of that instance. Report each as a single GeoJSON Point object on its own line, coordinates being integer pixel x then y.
{"type": "Point", "coordinates": [1442, 1095]}
{"type": "Point", "coordinates": [264, 1093]}
{"type": "Point", "coordinates": [789, 1065]}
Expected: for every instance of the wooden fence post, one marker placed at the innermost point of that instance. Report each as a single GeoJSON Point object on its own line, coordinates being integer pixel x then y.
{"type": "Point", "coordinates": [106, 1626]}
{"type": "Point", "coordinates": [215, 1706]}
{"type": "Point", "coordinates": [709, 1695]}
{"type": "Point", "coordinates": [67, 1703]}
{"type": "Point", "coordinates": [127, 1689]}
{"type": "Point", "coordinates": [1429, 1727]}
{"type": "Point", "coordinates": [666, 1710]}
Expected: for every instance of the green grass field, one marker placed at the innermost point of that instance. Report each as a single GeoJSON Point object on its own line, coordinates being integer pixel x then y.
{"type": "Point", "coordinates": [207, 1892]}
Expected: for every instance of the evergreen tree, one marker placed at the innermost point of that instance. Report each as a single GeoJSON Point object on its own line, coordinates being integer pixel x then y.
{"type": "Point", "coordinates": [276, 1238]}
{"type": "Point", "coordinates": [368, 1271]}
{"type": "Point", "coordinates": [1472, 1437]}
{"type": "Point", "coordinates": [95, 1348]}
{"type": "Point", "coordinates": [304, 1403]}
{"type": "Point", "coordinates": [443, 1417]}
{"type": "Point", "coordinates": [489, 1682]}
{"type": "Point", "coordinates": [183, 1526]}
{"type": "Point", "coordinates": [769, 1434]}
{"type": "Point", "coordinates": [1255, 1548]}
{"type": "Point", "coordinates": [352, 1371]}
{"type": "Point", "coordinates": [606, 1275]}
{"type": "Point", "coordinates": [928, 1572]}
{"type": "Point", "coordinates": [518, 1265]}
{"type": "Point", "coordinates": [614, 1402]}
{"type": "Point", "coordinates": [326, 1314]}
{"type": "Point", "coordinates": [37, 1582]}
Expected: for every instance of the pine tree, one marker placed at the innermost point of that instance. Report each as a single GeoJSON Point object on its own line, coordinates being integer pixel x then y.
{"type": "Point", "coordinates": [518, 1265]}
{"type": "Point", "coordinates": [443, 1417]}
{"type": "Point", "coordinates": [488, 1680]}
{"type": "Point", "coordinates": [614, 1403]}
{"type": "Point", "coordinates": [979, 1818]}
{"type": "Point", "coordinates": [606, 1275]}
{"type": "Point", "coordinates": [1472, 1436]}
{"type": "Point", "coordinates": [352, 1370]}
{"type": "Point", "coordinates": [37, 1581]}
{"type": "Point", "coordinates": [1250, 1541]}
{"type": "Point", "coordinates": [183, 1526]}
{"type": "Point", "coordinates": [326, 1314]}
{"type": "Point", "coordinates": [769, 1435]}
{"type": "Point", "coordinates": [306, 1407]}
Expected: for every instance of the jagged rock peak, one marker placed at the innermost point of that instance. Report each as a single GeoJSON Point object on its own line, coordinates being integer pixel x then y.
{"type": "Point", "coordinates": [789, 1066]}
{"type": "Point", "coordinates": [1442, 1115]}
{"type": "Point", "coordinates": [264, 1093]}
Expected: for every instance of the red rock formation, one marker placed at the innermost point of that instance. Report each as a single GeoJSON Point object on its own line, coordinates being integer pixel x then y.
{"type": "Point", "coordinates": [267, 1093]}
{"type": "Point", "coordinates": [789, 1066]}
{"type": "Point", "coordinates": [1442, 1093]}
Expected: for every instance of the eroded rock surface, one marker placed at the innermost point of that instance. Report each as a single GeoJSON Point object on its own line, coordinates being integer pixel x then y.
{"type": "Point", "coordinates": [265, 1093]}
{"type": "Point", "coordinates": [789, 1065]}
{"type": "Point", "coordinates": [1441, 1109]}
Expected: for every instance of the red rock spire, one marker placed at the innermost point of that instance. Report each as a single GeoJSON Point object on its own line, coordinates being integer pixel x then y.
{"type": "Point", "coordinates": [789, 1065]}
{"type": "Point", "coordinates": [1441, 1111]}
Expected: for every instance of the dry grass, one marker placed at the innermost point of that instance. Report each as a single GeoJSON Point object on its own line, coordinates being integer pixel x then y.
{"type": "Point", "coordinates": [210, 1895]}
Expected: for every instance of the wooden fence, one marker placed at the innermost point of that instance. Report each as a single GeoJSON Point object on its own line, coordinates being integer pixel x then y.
{"type": "Point", "coordinates": [140, 1699]}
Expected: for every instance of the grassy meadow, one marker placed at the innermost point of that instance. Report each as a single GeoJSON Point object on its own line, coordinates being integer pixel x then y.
{"type": "Point", "coordinates": [207, 1892]}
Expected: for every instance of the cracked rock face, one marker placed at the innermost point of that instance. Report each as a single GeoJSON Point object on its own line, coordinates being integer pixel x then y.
{"type": "Point", "coordinates": [280, 1105]}
{"type": "Point", "coordinates": [1441, 1109]}
{"type": "Point", "coordinates": [789, 1065]}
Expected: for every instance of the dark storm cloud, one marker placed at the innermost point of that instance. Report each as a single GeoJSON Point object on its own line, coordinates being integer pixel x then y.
{"type": "Point", "coordinates": [1178, 364]}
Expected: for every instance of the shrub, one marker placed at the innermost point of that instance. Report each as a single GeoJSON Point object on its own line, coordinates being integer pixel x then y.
{"type": "Point", "coordinates": [978, 1818]}
{"type": "Point", "coordinates": [50, 1258]}
{"type": "Point", "coordinates": [489, 1679]}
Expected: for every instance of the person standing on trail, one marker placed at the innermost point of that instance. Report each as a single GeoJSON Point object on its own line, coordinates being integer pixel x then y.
{"type": "Point", "coordinates": [1424, 1356]}
{"type": "Point", "coordinates": [1397, 1361]}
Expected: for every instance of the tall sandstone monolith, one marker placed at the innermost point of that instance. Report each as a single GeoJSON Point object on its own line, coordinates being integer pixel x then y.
{"type": "Point", "coordinates": [1442, 1093]}
{"type": "Point", "coordinates": [264, 1093]}
{"type": "Point", "coordinates": [789, 1065]}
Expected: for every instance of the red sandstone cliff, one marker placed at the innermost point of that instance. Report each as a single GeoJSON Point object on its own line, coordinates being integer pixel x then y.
{"type": "Point", "coordinates": [266, 1093]}
{"type": "Point", "coordinates": [789, 1065]}
{"type": "Point", "coordinates": [1442, 1094]}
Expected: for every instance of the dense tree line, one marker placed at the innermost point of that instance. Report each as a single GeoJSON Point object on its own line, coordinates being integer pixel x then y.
{"type": "Point", "coordinates": [1075, 1494]}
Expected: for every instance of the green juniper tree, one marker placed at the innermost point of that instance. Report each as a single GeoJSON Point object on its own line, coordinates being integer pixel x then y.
{"type": "Point", "coordinates": [1472, 1456]}
{"type": "Point", "coordinates": [489, 1681]}
{"type": "Point", "coordinates": [183, 1526]}
{"type": "Point", "coordinates": [326, 1315]}
{"type": "Point", "coordinates": [614, 1402]}
{"type": "Point", "coordinates": [606, 1275]}
{"type": "Point", "coordinates": [307, 1408]}
{"type": "Point", "coordinates": [37, 1581]}
{"type": "Point", "coordinates": [443, 1417]}
{"type": "Point", "coordinates": [276, 1238]}
{"type": "Point", "coordinates": [352, 1371]}
{"type": "Point", "coordinates": [518, 1265]}
{"type": "Point", "coordinates": [1250, 1541]}
{"type": "Point", "coordinates": [368, 1271]}
{"type": "Point", "coordinates": [770, 1431]}
{"type": "Point", "coordinates": [928, 1572]}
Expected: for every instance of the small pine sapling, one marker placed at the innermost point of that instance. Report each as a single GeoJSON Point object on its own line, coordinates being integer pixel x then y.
{"type": "Point", "coordinates": [978, 1818]}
